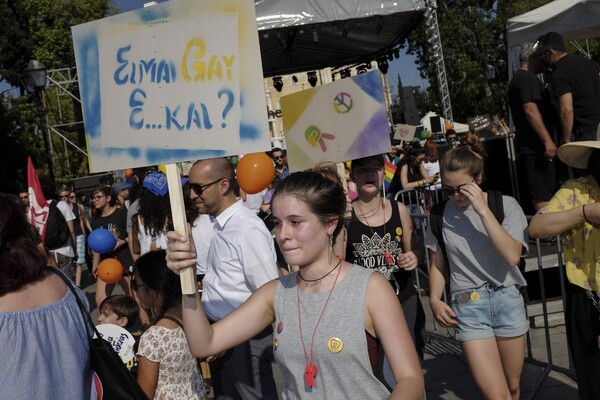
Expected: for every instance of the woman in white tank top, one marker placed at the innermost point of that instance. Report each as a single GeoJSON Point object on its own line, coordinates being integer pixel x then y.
{"type": "Point", "coordinates": [151, 221]}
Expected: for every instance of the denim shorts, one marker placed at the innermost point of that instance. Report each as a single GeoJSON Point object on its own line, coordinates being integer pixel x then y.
{"type": "Point", "coordinates": [491, 312]}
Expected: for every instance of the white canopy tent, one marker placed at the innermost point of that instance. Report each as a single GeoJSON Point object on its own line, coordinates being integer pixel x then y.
{"type": "Point", "coordinates": [573, 19]}
{"type": "Point", "coordinates": [457, 126]}
{"type": "Point", "coordinates": [304, 35]}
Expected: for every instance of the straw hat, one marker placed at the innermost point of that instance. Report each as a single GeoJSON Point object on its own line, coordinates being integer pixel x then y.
{"type": "Point", "coordinates": [577, 154]}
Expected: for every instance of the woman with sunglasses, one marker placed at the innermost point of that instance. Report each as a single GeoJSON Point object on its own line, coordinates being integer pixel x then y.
{"type": "Point", "coordinates": [486, 307]}
{"type": "Point", "coordinates": [108, 216]}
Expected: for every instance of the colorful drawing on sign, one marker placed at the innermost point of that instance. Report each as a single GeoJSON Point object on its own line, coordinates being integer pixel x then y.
{"type": "Point", "coordinates": [404, 132]}
{"type": "Point", "coordinates": [177, 81]}
{"type": "Point", "coordinates": [314, 136]}
{"type": "Point", "coordinates": [342, 103]}
{"type": "Point", "coordinates": [336, 122]}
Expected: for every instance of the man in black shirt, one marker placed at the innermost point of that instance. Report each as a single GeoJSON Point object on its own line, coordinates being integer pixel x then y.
{"type": "Point", "coordinates": [532, 117]}
{"type": "Point", "coordinates": [576, 86]}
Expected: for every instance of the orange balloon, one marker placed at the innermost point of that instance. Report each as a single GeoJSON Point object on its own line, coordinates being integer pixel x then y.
{"type": "Point", "coordinates": [110, 270]}
{"type": "Point", "coordinates": [255, 172]}
{"type": "Point", "coordinates": [129, 172]}
{"type": "Point", "coordinates": [448, 126]}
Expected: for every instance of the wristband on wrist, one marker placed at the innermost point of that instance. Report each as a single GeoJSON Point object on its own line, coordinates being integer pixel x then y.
{"type": "Point", "coordinates": [585, 218]}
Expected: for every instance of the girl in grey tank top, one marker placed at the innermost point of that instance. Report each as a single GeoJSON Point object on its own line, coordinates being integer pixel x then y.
{"type": "Point", "coordinates": [322, 313]}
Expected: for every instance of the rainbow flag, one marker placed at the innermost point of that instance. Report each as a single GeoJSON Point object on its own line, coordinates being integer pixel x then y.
{"type": "Point", "coordinates": [389, 169]}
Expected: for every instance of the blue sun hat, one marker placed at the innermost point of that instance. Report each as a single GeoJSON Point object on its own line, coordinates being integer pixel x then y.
{"type": "Point", "coordinates": [156, 183]}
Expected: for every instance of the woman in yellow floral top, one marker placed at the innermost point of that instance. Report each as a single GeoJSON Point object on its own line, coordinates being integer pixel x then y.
{"type": "Point", "coordinates": [574, 212]}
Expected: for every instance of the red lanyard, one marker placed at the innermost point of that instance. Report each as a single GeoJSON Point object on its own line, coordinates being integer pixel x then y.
{"type": "Point", "coordinates": [310, 372]}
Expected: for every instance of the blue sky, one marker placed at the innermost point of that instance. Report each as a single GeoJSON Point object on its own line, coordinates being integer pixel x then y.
{"type": "Point", "coordinates": [405, 65]}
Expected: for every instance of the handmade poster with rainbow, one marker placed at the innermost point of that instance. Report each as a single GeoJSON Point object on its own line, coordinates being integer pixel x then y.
{"type": "Point", "coordinates": [336, 122]}
{"type": "Point", "coordinates": [177, 81]}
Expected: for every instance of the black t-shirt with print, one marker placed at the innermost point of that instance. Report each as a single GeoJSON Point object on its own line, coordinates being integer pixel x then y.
{"type": "Point", "coordinates": [116, 223]}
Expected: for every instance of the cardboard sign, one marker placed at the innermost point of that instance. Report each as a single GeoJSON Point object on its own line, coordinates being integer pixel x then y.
{"type": "Point", "coordinates": [405, 132]}
{"type": "Point", "coordinates": [121, 340]}
{"type": "Point", "coordinates": [480, 123]}
{"type": "Point", "coordinates": [336, 122]}
{"type": "Point", "coordinates": [181, 80]}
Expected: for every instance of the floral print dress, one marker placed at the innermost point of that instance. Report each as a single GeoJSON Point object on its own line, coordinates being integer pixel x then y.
{"type": "Point", "coordinates": [581, 244]}
{"type": "Point", "coordinates": [179, 376]}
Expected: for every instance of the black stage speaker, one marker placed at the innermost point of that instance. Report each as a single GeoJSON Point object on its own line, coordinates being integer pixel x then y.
{"type": "Point", "coordinates": [436, 124]}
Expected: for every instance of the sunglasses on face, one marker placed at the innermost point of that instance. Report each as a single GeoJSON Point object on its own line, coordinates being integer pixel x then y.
{"type": "Point", "coordinates": [71, 197]}
{"type": "Point", "coordinates": [278, 158]}
{"type": "Point", "coordinates": [98, 198]}
{"type": "Point", "coordinates": [450, 191]}
{"type": "Point", "coordinates": [198, 189]}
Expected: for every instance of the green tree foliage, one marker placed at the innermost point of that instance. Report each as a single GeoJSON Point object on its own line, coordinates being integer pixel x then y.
{"type": "Point", "coordinates": [473, 35]}
{"type": "Point", "coordinates": [471, 38]}
{"type": "Point", "coordinates": [15, 42]}
{"type": "Point", "coordinates": [40, 29]}
{"type": "Point", "coordinates": [50, 23]}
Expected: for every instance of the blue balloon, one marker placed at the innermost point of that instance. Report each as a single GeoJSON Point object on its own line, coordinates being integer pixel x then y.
{"type": "Point", "coordinates": [101, 241]}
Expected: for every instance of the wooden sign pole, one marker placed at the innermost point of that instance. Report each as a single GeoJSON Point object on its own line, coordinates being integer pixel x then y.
{"type": "Point", "coordinates": [188, 275]}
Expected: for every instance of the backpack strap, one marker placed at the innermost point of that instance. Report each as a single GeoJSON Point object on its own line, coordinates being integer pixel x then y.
{"type": "Point", "coordinates": [496, 204]}
{"type": "Point", "coordinates": [436, 221]}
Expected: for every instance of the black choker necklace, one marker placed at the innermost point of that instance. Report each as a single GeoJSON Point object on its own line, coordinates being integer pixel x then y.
{"type": "Point", "coordinates": [314, 282]}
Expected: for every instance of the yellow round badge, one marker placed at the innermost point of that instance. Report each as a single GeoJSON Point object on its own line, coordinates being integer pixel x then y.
{"type": "Point", "coordinates": [335, 345]}
{"type": "Point", "coordinates": [475, 296]}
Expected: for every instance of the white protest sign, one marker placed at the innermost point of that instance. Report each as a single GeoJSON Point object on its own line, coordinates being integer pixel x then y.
{"type": "Point", "coordinates": [177, 81]}
{"type": "Point", "coordinates": [337, 122]}
{"type": "Point", "coordinates": [405, 132]}
{"type": "Point", "coordinates": [121, 340]}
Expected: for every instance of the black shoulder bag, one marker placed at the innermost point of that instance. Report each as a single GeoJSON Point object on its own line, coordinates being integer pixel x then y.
{"type": "Point", "coordinates": [114, 381]}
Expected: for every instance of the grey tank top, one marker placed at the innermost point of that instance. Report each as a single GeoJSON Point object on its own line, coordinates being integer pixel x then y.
{"type": "Point", "coordinates": [340, 344]}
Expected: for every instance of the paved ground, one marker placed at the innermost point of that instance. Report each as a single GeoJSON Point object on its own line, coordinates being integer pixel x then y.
{"type": "Point", "coordinates": [447, 375]}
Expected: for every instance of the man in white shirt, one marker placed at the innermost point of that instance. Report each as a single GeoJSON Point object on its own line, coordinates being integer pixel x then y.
{"type": "Point", "coordinates": [241, 258]}
{"type": "Point", "coordinates": [202, 232]}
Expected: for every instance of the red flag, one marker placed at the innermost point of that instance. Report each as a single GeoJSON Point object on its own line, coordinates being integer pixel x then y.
{"type": "Point", "coordinates": [38, 206]}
